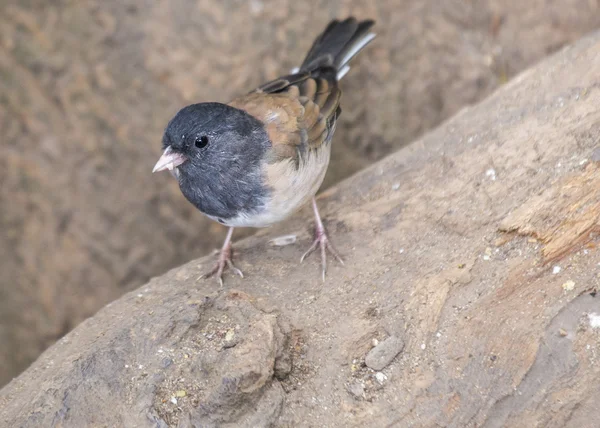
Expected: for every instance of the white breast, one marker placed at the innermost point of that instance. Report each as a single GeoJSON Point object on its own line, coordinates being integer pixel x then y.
{"type": "Point", "coordinates": [291, 188]}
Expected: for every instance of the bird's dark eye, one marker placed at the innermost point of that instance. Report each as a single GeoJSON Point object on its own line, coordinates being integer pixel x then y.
{"type": "Point", "coordinates": [201, 142]}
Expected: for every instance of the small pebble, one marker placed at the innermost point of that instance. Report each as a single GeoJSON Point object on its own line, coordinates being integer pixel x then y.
{"type": "Point", "coordinates": [556, 269]}
{"type": "Point", "coordinates": [382, 355]}
{"type": "Point", "coordinates": [395, 186]}
{"type": "Point", "coordinates": [487, 254]}
{"type": "Point", "coordinates": [284, 240]}
{"type": "Point", "coordinates": [174, 400]}
{"type": "Point", "coordinates": [180, 393]}
{"type": "Point", "coordinates": [166, 362]}
{"type": "Point", "coordinates": [356, 389]}
{"type": "Point", "coordinates": [562, 332]}
{"type": "Point", "coordinates": [230, 339]}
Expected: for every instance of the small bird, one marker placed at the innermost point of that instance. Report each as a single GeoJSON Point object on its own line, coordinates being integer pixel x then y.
{"type": "Point", "coordinates": [258, 159]}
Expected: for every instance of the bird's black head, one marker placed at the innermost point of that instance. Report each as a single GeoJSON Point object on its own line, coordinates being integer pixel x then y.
{"type": "Point", "coordinates": [216, 152]}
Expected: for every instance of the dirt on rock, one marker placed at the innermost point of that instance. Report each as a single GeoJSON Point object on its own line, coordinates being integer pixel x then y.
{"type": "Point", "coordinates": [87, 87]}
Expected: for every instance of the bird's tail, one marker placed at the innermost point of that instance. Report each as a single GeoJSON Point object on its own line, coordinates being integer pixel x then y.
{"type": "Point", "coordinates": [338, 44]}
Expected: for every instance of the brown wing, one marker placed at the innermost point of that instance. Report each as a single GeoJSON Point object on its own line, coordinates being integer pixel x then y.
{"type": "Point", "coordinates": [299, 112]}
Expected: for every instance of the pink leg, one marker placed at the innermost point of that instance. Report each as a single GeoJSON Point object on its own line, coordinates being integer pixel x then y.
{"type": "Point", "coordinates": [321, 240]}
{"type": "Point", "coordinates": [225, 257]}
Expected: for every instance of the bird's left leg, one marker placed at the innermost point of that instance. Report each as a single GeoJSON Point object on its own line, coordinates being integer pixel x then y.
{"type": "Point", "coordinates": [322, 241]}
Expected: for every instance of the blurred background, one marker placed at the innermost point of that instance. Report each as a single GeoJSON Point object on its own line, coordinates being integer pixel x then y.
{"type": "Point", "coordinates": [86, 88]}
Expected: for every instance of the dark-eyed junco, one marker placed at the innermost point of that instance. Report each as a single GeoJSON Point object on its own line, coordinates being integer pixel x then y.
{"type": "Point", "coordinates": [258, 159]}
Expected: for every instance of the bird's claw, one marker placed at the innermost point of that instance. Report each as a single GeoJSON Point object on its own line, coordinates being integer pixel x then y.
{"type": "Point", "coordinates": [225, 259]}
{"type": "Point", "coordinates": [323, 241]}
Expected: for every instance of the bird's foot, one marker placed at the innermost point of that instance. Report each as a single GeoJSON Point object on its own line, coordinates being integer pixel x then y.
{"type": "Point", "coordinates": [322, 241]}
{"type": "Point", "coordinates": [225, 260]}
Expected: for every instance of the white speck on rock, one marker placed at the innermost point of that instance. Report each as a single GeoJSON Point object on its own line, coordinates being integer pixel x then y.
{"type": "Point", "coordinates": [568, 285]}
{"type": "Point", "coordinates": [174, 400]}
{"type": "Point", "coordinates": [423, 346]}
{"type": "Point", "coordinates": [594, 320]}
{"type": "Point", "coordinates": [395, 186]}
{"type": "Point", "coordinates": [380, 377]}
{"type": "Point", "coordinates": [556, 269]}
{"type": "Point", "coordinates": [256, 7]}
{"type": "Point", "coordinates": [491, 173]}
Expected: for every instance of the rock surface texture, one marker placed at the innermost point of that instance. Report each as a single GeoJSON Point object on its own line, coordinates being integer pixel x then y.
{"type": "Point", "coordinates": [476, 244]}
{"type": "Point", "coordinates": [86, 88]}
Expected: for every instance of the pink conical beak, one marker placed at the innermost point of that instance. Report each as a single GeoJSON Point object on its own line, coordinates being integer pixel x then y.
{"type": "Point", "coordinates": [169, 160]}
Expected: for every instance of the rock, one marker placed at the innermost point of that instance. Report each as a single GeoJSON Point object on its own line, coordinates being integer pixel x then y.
{"type": "Point", "coordinates": [93, 84]}
{"type": "Point", "coordinates": [380, 356]}
{"type": "Point", "coordinates": [199, 382]}
{"type": "Point", "coordinates": [498, 360]}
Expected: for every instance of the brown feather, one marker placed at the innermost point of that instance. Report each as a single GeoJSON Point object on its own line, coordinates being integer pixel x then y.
{"type": "Point", "coordinates": [299, 113]}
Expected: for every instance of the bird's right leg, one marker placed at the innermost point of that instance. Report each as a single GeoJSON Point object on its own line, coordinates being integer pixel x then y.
{"type": "Point", "coordinates": [225, 259]}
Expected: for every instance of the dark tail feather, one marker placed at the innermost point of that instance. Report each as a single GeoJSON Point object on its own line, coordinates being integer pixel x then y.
{"type": "Point", "coordinates": [338, 44]}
